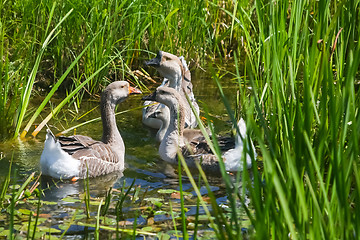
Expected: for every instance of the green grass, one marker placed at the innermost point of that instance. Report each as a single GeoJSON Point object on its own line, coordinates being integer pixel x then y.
{"type": "Point", "coordinates": [302, 64]}
{"type": "Point", "coordinates": [300, 58]}
{"type": "Point", "coordinates": [46, 45]}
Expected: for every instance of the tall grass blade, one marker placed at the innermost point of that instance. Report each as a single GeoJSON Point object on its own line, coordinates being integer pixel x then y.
{"type": "Point", "coordinates": [58, 107]}
{"type": "Point", "coordinates": [173, 220]}
{"type": "Point", "coordinates": [197, 191]}
{"type": "Point", "coordinates": [37, 215]}
{"type": "Point", "coordinates": [97, 228]}
{"type": "Point", "coordinates": [53, 90]}
{"type": "Point", "coordinates": [29, 85]}
{"type": "Point", "coordinates": [183, 216]}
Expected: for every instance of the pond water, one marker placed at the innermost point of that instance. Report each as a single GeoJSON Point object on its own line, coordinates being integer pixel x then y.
{"type": "Point", "coordinates": [153, 196]}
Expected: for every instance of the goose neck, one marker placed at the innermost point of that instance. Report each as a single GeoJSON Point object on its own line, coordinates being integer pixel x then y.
{"type": "Point", "coordinates": [173, 138]}
{"type": "Point", "coordinates": [164, 126]}
{"type": "Point", "coordinates": [175, 81]}
{"type": "Point", "coordinates": [111, 133]}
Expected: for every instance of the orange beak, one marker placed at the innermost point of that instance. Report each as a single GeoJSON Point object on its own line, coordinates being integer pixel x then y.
{"type": "Point", "coordinates": [133, 90]}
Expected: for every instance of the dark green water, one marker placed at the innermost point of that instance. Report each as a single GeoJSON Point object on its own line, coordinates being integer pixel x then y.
{"type": "Point", "coordinates": [151, 174]}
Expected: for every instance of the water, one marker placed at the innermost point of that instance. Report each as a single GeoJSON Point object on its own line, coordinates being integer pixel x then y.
{"type": "Point", "coordinates": [152, 175]}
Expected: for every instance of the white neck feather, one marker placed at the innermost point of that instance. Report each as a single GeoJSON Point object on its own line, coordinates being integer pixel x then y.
{"type": "Point", "coordinates": [173, 139]}
{"type": "Point", "coordinates": [165, 120]}
{"type": "Point", "coordinates": [176, 82]}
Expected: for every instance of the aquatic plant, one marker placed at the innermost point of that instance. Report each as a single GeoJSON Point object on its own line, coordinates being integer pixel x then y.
{"type": "Point", "coordinates": [296, 66]}
{"type": "Point", "coordinates": [301, 63]}
{"type": "Point", "coordinates": [47, 48]}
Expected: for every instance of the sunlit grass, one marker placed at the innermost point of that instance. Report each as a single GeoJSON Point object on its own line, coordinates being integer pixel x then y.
{"type": "Point", "coordinates": [47, 44]}
{"type": "Point", "coordinates": [303, 114]}
{"type": "Point", "coordinates": [300, 60]}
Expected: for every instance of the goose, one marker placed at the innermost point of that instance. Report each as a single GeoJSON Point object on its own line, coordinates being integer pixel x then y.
{"type": "Point", "coordinates": [163, 113]}
{"type": "Point", "coordinates": [79, 156]}
{"type": "Point", "coordinates": [198, 150]}
{"type": "Point", "coordinates": [176, 75]}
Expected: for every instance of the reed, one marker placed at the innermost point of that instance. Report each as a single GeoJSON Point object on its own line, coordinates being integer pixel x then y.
{"type": "Point", "coordinates": [185, 234]}
{"type": "Point", "coordinates": [302, 112]}
{"type": "Point", "coordinates": [49, 46]}
{"type": "Point", "coordinates": [87, 193]}
{"type": "Point", "coordinates": [301, 63]}
{"type": "Point", "coordinates": [119, 206]}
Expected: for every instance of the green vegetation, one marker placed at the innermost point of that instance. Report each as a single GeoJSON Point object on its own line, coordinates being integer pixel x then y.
{"type": "Point", "coordinates": [296, 67]}
{"type": "Point", "coordinates": [301, 63]}
{"type": "Point", "coordinates": [120, 34]}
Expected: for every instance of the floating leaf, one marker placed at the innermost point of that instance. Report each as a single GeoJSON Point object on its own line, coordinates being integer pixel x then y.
{"type": "Point", "coordinates": [4, 233]}
{"type": "Point", "coordinates": [51, 237]}
{"type": "Point", "coordinates": [48, 203]}
{"type": "Point", "coordinates": [16, 186]}
{"type": "Point", "coordinates": [108, 220]}
{"type": "Point", "coordinates": [48, 230]}
{"type": "Point", "coordinates": [163, 236]}
{"type": "Point", "coordinates": [25, 211]}
{"type": "Point", "coordinates": [156, 201]}
{"type": "Point", "coordinates": [167, 191]}
{"type": "Point", "coordinates": [35, 201]}
{"type": "Point", "coordinates": [62, 226]}
{"type": "Point", "coordinates": [80, 216]}
{"type": "Point", "coordinates": [70, 200]}
{"type": "Point", "coordinates": [96, 203]}
{"type": "Point", "coordinates": [147, 229]}
{"type": "Point", "coordinates": [161, 213]}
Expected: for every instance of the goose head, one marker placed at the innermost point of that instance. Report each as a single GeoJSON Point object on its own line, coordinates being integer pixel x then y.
{"type": "Point", "coordinates": [172, 99]}
{"type": "Point", "coordinates": [162, 113]}
{"type": "Point", "coordinates": [165, 95]}
{"type": "Point", "coordinates": [169, 66]}
{"type": "Point", "coordinates": [113, 94]}
{"type": "Point", "coordinates": [117, 92]}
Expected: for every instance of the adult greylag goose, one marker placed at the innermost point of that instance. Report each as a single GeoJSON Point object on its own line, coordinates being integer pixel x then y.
{"type": "Point", "coordinates": [76, 156]}
{"type": "Point", "coordinates": [197, 150]}
{"type": "Point", "coordinates": [163, 113]}
{"type": "Point", "coordinates": [176, 75]}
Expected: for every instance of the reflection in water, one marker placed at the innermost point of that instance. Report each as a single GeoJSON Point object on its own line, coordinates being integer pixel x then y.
{"type": "Point", "coordinates": [56, 190]}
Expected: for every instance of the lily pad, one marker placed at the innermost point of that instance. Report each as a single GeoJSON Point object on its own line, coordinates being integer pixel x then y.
{"type": "Point", "coordinates": [156, 201]}
{"type": "Point", "coordinates": [147, 229]}
{"type": "Point", "coordinates": [70, 200]}
{"type": "Point", "coordinates": [167, 191]}
{"type": "Point", "coordinates": [25, 211]}
{"type": "Point", "coordinates": [161, 213]}
{"type": "Point", "coordinates": [163, 236]}
{"type": "Point", "coordinates": [48, 230]}
{"type": "Point", "coordinates": [4, 233]}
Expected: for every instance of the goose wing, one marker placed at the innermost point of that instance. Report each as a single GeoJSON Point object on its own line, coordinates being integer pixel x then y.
{"type": "Point", "coordinates": [198, 145]}
{"type": "Point", "coordinates": [199, 151]}
{"type": "Point", "coordinates": [94, 156]}
{"type": "Point", "coordinates": [73, 144]}
{"type": "Point", "coordinates": [98, 158]}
